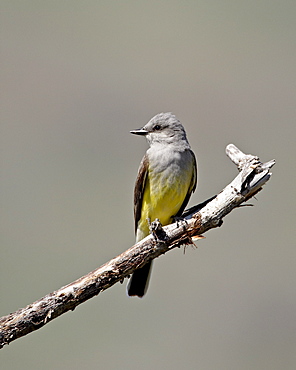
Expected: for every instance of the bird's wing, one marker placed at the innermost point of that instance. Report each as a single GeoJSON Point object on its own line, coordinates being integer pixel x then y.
{"type": "Point", "coordinates": [139, 189]}
{"type": "Point", "coordinates": [191, 187]}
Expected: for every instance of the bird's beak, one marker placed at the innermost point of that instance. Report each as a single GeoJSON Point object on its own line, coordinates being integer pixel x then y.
{"type": "Point", "coordinates": [139, 131]}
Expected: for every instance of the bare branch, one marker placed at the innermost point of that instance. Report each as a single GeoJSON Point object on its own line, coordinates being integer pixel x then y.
{"type": "Point", "coordinates": [199, 219]}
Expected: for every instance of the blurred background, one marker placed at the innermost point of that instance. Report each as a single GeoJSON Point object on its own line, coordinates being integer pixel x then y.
{"type": "Point", "coordinates": [76, 77]}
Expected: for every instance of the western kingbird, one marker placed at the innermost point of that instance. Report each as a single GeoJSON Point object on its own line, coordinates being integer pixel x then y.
{"type": "Point", "coordinates": [166, 178]}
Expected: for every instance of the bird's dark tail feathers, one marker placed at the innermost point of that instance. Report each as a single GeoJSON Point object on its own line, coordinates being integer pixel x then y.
{"type": "Point", "coordinates": [138, 283]}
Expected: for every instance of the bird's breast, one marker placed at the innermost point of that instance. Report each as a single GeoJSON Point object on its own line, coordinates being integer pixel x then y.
{"type": "Point", "coordinates": [169, 178]}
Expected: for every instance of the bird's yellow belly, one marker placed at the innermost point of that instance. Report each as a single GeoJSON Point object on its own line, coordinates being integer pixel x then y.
{"type": "Point", "coordinates": [162, 199]}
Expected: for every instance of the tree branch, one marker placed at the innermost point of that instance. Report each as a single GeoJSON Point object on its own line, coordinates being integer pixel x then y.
{"type": "Point", "coordinates": [198, 219]}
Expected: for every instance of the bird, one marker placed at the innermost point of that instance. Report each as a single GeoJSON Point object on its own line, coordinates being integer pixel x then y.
{"type": "Point", "coordinates": [166, 178]}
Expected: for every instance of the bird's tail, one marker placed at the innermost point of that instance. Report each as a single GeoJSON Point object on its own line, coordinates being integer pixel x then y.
{"type": "Point", "coordinates": [138, 283]}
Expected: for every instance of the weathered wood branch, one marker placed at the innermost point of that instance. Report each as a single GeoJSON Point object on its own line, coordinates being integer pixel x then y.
{"type": "Point", "coordinates": [199, 219]}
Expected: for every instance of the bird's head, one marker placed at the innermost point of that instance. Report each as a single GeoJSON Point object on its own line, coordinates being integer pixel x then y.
{"type": "Point", "coordinates": [163, 128]}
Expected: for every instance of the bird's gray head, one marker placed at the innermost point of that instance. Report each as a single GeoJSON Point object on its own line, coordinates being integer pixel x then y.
{"type": "Point", "coordinates": [163, 128]}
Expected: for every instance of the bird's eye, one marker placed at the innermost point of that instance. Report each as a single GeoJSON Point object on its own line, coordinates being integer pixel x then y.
{"type": "Point", "coordinates": [157, 127]}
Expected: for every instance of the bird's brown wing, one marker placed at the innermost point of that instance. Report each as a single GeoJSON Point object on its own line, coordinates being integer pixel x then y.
{"type": "Point", "coordinates": [191, 187]}
{"type": "Point", "coordinates": [139, 189]}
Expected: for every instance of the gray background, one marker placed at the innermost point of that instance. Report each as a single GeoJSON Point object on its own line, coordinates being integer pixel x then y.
{"type": "Point", "coordinates": [76, 76]}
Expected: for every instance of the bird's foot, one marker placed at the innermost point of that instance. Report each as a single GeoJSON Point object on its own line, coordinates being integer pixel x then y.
{"type": "Point", "coordinates": [179, 221]}
{"type": "Point", "coordinates": [157, 231]}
